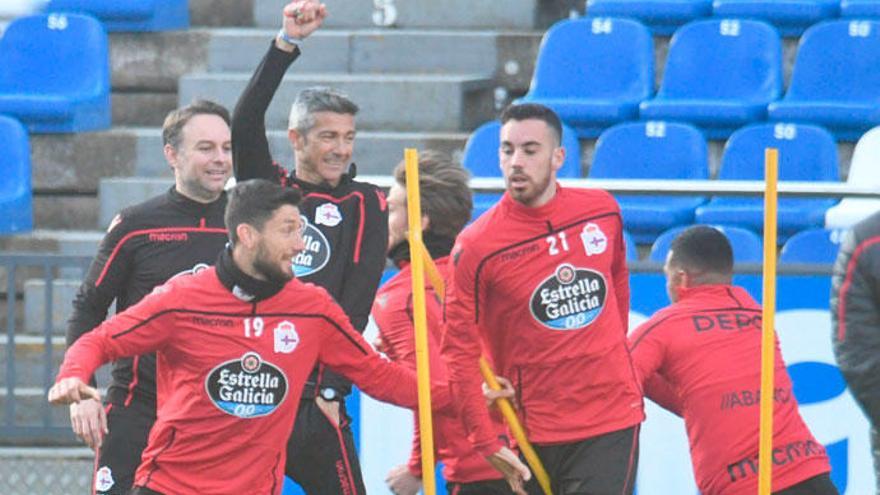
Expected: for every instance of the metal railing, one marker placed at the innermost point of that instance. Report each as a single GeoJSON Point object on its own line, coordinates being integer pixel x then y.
{"type": "Point", "coordinates": [17, 267]}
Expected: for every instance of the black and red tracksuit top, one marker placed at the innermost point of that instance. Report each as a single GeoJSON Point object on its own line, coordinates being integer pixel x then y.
{"type": "Point", "coordinates": [347, 231]}
{"type": "Point", "coordinates": [145, 246]}
{"type": "Point", "coordinates": [701, 358]}
{"type": "Point", "coordinates": [393, 314]}
{"type": "Point", "coordinates": [544, 293]}
{"type": "Point", "coordinates": [232, 366]}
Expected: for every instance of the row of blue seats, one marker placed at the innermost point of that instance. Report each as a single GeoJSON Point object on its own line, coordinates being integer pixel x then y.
{"type": "Point", "coordinates": [815, 246]}
{"type": "Point", "coordinates": [55, 73]}
{"type": "Point", "coordinates": [669, 150]}
{"type": "Point", "coordinates": [720, 74]}
{"type": "Point", "coordinates": [129, 15]}
{"type": "Point", "coordinates": [791, 17]}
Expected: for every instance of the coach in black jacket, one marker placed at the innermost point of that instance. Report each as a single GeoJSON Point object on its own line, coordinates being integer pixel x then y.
{"type": "Point", "coordinates": [855, 319]}
{"type": "Point", "coordinates": [177, 232]}
{"type": "Point", "coordinates": [346, 236]}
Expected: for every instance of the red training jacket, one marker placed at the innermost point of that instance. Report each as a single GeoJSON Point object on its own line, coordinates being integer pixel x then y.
{"type": "Point", "coordinates": [393, 313]}
{"type": "Point", "coordinates": [706, 348]}
{"type": "Point", "coordinates": [230, 375]}
{"type": "Point", "coordinates": [546, 292]}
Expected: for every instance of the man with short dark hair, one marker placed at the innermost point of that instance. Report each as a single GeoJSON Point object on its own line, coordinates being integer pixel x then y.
{"type": "Point", "coordinates": [540, 285]}
{"type": "Point", "coordinates": [235, 344]}
{"type": "Point", "coordinates": [346, 225]}
{"type": "Point", "coordinates": [446, 207]}
{"type": "Point", "coordinates": [701, 358]}
{"type": "Point", "coordinates": [178, 232]}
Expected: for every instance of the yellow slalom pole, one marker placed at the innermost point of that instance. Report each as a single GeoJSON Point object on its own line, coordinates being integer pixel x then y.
{"type": "Point", "coordinates": [768, 342]}
{"type": "Point", "coordinates": [489, 376]}
{"type": "Point", "coordinates": [420, 319]}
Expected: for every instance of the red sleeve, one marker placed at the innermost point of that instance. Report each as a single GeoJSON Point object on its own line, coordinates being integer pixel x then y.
{"type": "Point", "coordinates": [346, 351]}
{"type": "Point", "coordinates": [141, 329]}
{"type": "Point", "coordinates": [396, 327]}
{"type": "Point", "coordinates": [461, 351]}
{"type": "Point", "coordinates": [648, 351]}
{"type": "Point", "coordinates": [621, 279]}
{"type": "Point", "coordinates": [663, 394]}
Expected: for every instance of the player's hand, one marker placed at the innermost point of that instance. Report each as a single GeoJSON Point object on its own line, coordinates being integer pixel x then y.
{"type": "Point", "coordinates": [70, 390]}
{"type": "Point", "coordinates": [402, 482]}
{"type": "Point", "coordinates": [515, 472]}
{"type": "Point", "coordinates": [379, 344]}
{"type": "Point", "coordinates": [89, 422]}
{"type": "Point", "coordinates": [303, 17]}
{"type": "Point", "coordinates": [507, 391]}
{"type": "Point", "coordinates": [330, 408]}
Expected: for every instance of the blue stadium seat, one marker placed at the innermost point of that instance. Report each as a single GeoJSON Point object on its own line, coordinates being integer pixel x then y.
{"type": "Point", "coordinates": [130, 15]}
{"type": "Point", "coordinates": [652, 150]}
{"type": "Point", "coordinates": [812, 246]}
{"type": "Point", "coordinates": [481, 152]}
{"type": "Point", "coordinates": [790, 17]}
{"type": "Point", "coordinates": [632, 252]}
{"type": "Point", "coordinates": [720, 75]}
{"type": "Point", "coordinates": [662, 16]}
{"type": "Point", "coordinates": [860, 8]}
{"type": "Point", "coordinates": [594, 72]}
{"type": "Point", "coordinates": [481, 159]}
{"type": "Point", "coordinates": [836, 79]}
{"type": "Point", "coordinates": [55, 73]}
{"type": "Point", "coordinates": [15, 188]}
{"type": "Point", "coordinates": [747, 246]}
{"type": "Point", "coordinates": [806, 153]}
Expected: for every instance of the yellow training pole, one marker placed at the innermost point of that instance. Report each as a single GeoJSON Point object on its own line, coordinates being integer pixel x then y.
{"type": "Point", "coordinates": [489, 376]}
{"type": "Point", "coordinates": [768, 343]}
{"type": "Point", "coordinates": [420, 319]}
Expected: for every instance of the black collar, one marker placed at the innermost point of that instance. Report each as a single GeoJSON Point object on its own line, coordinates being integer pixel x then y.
{"type": "Point", "coordinates": [438, 247]}
{"type": "Point", "coordinates": [242, 285]}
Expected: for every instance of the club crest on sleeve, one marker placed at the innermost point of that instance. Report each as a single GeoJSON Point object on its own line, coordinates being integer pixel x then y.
{"type": "Point", "coordinates": [103, 479]}
{"type": "Point", "coordinates": [286, 338]}
{"type": "Point", "coordinates": [594, 240]}
{"type": "Point", "coordinates": [328, 214]}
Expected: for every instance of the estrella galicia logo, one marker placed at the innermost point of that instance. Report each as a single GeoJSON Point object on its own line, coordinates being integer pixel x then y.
{"type": "Point", "coordinates": [247, 387]}
{"type": "Point", "coordinates": [570, 299]}
{"type": "Point", "coordinates": [316, 254]}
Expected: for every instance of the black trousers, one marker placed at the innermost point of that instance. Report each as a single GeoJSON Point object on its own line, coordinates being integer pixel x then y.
{"type": "Point", "coordinates": [487, 487]}
{"type": "Point", "coordinates": [601, 465]}
{"type": "Point", "coordinates": [321, 456]}
{"type": "Point", "coordinates": [121, 449]}
{"type": "Point", "coordinates": [817, 485]}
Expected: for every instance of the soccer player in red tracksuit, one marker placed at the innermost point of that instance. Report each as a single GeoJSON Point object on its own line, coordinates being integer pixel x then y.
{"type": "Point", "coordinates": [446, 208]}
{"type": "Point", "coordinates": [235, 345]}
{"type": "Point", "coordinates": [700, 358]}
{"type": "Point", "coordinates": [540, 284]}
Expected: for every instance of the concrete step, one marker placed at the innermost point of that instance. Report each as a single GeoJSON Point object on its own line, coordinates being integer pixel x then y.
{"type": "Point", "coordinates": [47, 471]}
{"type": "Point", "coordinates": [31, 408]}
{"type": "Point", "coordinates": [508, 55]}
{"type": "Point", "coordinates": [216, 13]}
{"type": "Point", "coordinates": [141, 108]}
{"type": "Point", "coordinates": [388, 102]}
{"type": "Point", "coordinates": [456, 14]}
{"type": "Point", "coordinates": [120, 192]}
{"type": "Point", "coordinates": [65, 211]}
{"type": "Point", "coordinates": [70, 242]}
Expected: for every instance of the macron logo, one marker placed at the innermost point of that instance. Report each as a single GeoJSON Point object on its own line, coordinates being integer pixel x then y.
{"type": "Point", "coordinates": [169, 237]}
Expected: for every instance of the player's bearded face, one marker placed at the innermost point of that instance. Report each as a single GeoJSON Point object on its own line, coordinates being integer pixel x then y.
{"type": "Point", "coordinates": [280, 241]}
{"type": "Point", "coordinates": [529, 157]}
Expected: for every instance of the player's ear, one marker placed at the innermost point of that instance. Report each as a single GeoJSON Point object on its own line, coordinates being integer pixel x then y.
{"type": "Point", "coordinates": [170, 155]}
{"type": "Point", "coordinates": [297, 140]}
{"type": "Point", "coordinates": [558, 158]}
{"type": "Point", "coordinates": [246, 235]}
{"type": "Point", "coordinates": [426, 223]}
